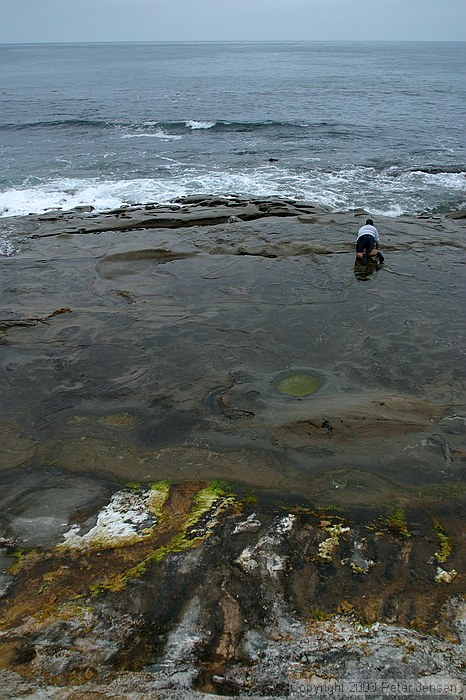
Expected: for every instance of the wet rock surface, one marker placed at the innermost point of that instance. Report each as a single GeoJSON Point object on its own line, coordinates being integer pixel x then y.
{"type": "Point", "coordinates": [140, 355]}
{"type": "Point", "coordinates": [198, 587]}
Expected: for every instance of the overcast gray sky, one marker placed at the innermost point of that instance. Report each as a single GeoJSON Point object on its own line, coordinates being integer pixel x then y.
{"type": "Point", "coordinates": [218, 20]}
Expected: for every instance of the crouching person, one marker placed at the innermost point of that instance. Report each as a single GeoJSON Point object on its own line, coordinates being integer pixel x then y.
{"type": "Point", "coordinates": [367, 243]}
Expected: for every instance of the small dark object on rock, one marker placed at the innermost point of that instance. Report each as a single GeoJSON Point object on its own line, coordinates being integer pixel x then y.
{"type": "Point", "coordinates": [65, 310]}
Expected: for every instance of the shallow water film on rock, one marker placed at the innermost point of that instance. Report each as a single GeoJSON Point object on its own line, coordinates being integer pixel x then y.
{"type": "Point", "coordinates": [229, 464]}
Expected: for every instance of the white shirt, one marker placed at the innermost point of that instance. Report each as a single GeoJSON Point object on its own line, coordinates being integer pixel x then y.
{"type": "Point", "coordinates": [368, 229]}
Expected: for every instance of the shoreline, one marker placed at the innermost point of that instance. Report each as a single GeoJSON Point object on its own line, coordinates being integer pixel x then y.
{"type": "Point", "coordinates": [87, 212]}
{"type": "Point", "coordinates": [150, 345]}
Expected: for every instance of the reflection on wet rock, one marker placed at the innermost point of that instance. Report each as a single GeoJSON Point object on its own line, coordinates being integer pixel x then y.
{"type": "Point", "coordinates": [228, 340]}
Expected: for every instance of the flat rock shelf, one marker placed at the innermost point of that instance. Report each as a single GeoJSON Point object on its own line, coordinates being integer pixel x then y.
{"type": "Point", "coordinates": [230, 463]}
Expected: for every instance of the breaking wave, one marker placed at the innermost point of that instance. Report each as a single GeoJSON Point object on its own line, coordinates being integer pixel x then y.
{"type": "Point", "coordinates": [190, 124]}
{"type": "Point", "coordinates": [158, 134]}
{"type": "Point", "coordinates": [381, 193]}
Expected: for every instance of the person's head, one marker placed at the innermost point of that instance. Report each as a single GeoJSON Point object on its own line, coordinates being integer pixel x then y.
{"type": "Point", "coordinates": [370, 222]}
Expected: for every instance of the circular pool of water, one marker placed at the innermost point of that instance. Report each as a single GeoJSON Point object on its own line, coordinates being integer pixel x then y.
{"type": "Point", "coordinates": [298, 383]}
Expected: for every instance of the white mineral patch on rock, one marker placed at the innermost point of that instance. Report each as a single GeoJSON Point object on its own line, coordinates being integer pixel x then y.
{"type": "Point", "coordinates": [263, 555]}
{"type": "Point", "coordinates": [285, 524]}
{"type": "Point", "coordinates": [187, 634]}
{"type": "Point", "coordinates": [359, 563]}
{"type": "Point", "coordinates": [251, 524]}
{"type": "Point", "coordinates": [445, 576]}
{"type": "Point", "coordinates": [276, 563]}
{"type": "Point", "coordinates": [246, 559]}
{"type": "Point", "coordinates": [125, 518]}
{"type": "Point", "coordinates": [455, 424]}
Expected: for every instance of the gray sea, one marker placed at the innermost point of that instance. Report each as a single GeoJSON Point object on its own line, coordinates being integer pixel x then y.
{"type": "Point", "coordinates": [374, 125]}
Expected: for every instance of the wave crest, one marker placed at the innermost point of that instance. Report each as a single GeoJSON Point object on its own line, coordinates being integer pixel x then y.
{"type": "Point", "coordinates": [57, 124]}
{"type": "Point", "coordinates": [158, 134]}
{"type": "Point", "coordinates": [192, 124]}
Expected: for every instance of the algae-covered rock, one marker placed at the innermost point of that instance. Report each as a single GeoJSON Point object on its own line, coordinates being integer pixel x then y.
{"type": "Point", "coordinates": [113, 420]}
{"type": "Point", "coordinates": [444, 551]}
{"type": "Point", "coordinates": [209, 591]}
{"type": "Point", "coordinates": [396, 522]}
{"type": "Point", "coordinates": [128, 517]}
{"type": "Point", "coordinates": [176, 579]}
{"type": "Point", "coordinates": [299, 384]}
{"type": "Point", "coordinates": [443, 576]}
{"type": "Point", "coordinates": [326, 548]}
{"type": "Point", "coordinates": [38, 507]}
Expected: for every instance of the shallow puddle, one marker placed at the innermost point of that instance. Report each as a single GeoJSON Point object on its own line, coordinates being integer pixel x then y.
{"type": "Point", "coordinates": [299, 384]}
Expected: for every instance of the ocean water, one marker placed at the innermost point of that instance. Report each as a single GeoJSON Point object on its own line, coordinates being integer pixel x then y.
{"type": "Point", "coordinates": [344, 125]}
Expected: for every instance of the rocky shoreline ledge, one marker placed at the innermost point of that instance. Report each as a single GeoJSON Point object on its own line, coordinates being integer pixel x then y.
{"type": "Point", "coordinates": [173, 588]}
{"type": "Point", "coordinates": [230, 463]}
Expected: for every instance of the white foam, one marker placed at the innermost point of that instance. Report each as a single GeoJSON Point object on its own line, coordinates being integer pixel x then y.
{"type": "Point", "coordinates": [6, 247]}
{"type": "Point", "coordinates": [63, 195]}
{"type": "Point", "coordinates": [159, 134]}
{"type": "Point", "coordinates": [382, 193]}
{"type": "Point", "coordinates": [192, 124]}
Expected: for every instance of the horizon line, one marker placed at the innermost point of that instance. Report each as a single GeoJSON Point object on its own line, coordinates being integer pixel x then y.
{"type": "Point", "coordinates": [233, 41]}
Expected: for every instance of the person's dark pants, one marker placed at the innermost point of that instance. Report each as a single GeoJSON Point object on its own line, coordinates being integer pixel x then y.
{"type": "Point", "coordinates": [365, 244]}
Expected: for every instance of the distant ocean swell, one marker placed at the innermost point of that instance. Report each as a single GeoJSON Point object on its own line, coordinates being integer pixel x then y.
{"type": "Point", "coordinates": [56, 124]}
{"type": "Point", "coordinates": [177, 127]}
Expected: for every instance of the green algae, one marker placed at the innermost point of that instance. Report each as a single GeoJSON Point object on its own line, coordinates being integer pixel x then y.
{"type": "Point", "coordinates": [207, 504]}
{"type": "Point", "coordinates": [132, 485]}
{"type": "Point", "coordinates": [209, 501]}
{"type": "Point", "coordinates": [299, 384]}
{"type": "Point", "coordinates": [445, 544]}
{"type": "Point", "coordinates": [396, 523]}
{"type": "Point", "coordinates": [329, 512]}
{"type": "Point", "coordinates": [360, 570]}
{"type": "Point", "coordinates": [316, 614]}
{"type": "Point", "coordinates": [442, 492]}
{"type": "Point", "coordinates": [153, 498]}
{"type": "Point", "coordinates": [23, 557]}
{"type": "Point", "coordinates": [249, 501]}
{"type": "Point", "coordinates": [204, 501]}
{"type": "Point", "coordinates": [326, 548]}
{"type": "Point", "coordinates": [445, 548]}
{"type": "Point", "coordinates": [115, 420]}
{"type": "Point", "coordinates": [160, 485]}
{"type": "Point", "coordinates": [160, 492]}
